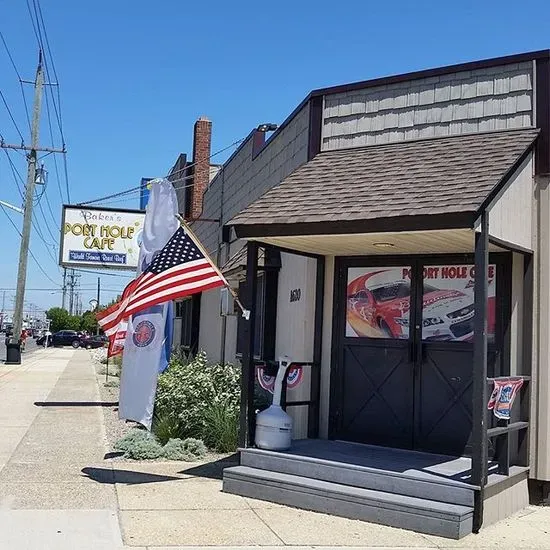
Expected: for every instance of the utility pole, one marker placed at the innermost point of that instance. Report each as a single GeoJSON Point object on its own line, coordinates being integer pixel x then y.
{"type": "Point", "coordinates": [71, 291]}
{"type": "Point", "coordinates": [98, 299]}
{"type": "Point", "coordinates": [64, 290]}
{"type": "Point", "coordinates": [29, 196]}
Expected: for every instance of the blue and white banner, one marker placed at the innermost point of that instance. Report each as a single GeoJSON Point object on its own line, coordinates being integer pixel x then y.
{"type": "Point", "coordinates": [148, 338]}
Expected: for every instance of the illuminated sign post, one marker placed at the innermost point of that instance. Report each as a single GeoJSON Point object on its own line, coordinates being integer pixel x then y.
{"type": "Point", "coordinates": [100, 237]}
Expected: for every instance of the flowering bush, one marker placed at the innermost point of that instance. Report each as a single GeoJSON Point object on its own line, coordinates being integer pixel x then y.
{"type": "Point", "coordinates": [187, 389]}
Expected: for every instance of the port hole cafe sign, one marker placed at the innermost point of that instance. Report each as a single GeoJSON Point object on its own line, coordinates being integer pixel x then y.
{"type": "Point", "coordinates": [100, 237]}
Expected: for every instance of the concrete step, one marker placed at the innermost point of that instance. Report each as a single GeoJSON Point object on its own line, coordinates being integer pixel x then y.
{"type": "Point", "coordinates": [414, 484]}
{"type": "Point", "coordinates": [421, 515]}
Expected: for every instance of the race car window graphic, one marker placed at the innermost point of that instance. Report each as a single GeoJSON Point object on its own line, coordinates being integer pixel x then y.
{"type": "Point", "coordinates": [448, 303]}
{"type": "Point", "coordinates": [378, 302]}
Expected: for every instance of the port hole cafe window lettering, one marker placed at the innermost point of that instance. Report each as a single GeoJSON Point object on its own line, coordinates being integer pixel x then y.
{"type": "Point", "coordinates": [379, 302]}
{"type": "Point", "coordinates": [96, 237]}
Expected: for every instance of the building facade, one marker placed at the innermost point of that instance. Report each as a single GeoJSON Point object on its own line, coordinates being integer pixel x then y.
{"type": "Point", "coordinates": [368, 212]}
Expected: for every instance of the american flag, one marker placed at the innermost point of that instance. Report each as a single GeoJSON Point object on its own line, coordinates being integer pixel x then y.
{"type": "Point", "coordinates": [179, 270]}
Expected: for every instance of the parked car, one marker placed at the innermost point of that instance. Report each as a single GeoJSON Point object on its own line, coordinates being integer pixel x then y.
{"type": "Point", "coordinates": [94, 342]}
{"type": "Point", "coordinates": [66, 338]}
{"type": "Point", "coordinates": [40, 339]}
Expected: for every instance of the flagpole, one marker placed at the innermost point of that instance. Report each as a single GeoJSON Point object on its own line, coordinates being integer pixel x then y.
{"type": "Point", "coordinates": [189, 231]}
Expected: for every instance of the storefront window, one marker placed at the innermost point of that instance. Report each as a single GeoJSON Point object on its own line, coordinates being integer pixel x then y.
{"type": "Point", "coordinates": [448, 303]}
{"type": "Point", "coordinates": [378, 302]}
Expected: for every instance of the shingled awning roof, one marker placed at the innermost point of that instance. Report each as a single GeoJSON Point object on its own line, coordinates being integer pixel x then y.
{"type": "Point", "coordinates": [395, 186]}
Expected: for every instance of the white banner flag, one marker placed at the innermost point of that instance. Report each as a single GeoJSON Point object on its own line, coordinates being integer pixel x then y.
{"type": "Point", "coordinates": [145, 337]}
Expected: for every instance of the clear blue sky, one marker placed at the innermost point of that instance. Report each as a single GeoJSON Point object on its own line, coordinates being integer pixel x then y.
{"type": "Point", "coordinates": [135, 75]}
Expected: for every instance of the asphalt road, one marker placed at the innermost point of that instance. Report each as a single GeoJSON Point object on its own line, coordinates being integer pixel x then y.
{"type": "Point", "coordinates": [29, 348]}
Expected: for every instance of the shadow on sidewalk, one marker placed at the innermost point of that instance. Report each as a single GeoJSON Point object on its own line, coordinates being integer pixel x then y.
{"type": "Point", "coordinates": [76, 403]}
{"type": "Point", "coordinates": [212, 470]}
{"type": "Point", "coordinates": [111, 476]}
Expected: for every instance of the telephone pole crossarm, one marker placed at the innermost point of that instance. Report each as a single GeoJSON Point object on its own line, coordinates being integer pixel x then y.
{"type": "Point", "coordinates": [4, 145]}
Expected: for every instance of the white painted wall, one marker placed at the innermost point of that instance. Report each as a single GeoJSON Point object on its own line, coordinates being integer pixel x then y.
{"type": "Point", "coordinates": [511, 214]}
{"type": "Point", "coordinates": [295, 320]}
{"type": "Point", "coordinates": [295, 327]}
{"type": "Point", "coordinates": [210, 324]}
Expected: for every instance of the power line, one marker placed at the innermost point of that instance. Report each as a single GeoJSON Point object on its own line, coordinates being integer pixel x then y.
{"type": "Point", "coordinates": [138, 188]}
{"type": "Point", "coordinates": [102, 273]}
{"type": "Point", "coordinates": [18, 76]}
{"type": "Point", "coordinates": [66, 176]}
{"type": "Point", "coordinates": [16, 174]}
{"type": "Point", "coordinates": [14, 171]}
{"type": "Point", "coordinates": [54, 157]}
{"type": "Point", "coordinates": [11, 116]}
{"type": "Point", "coordinates": [9, 55]}
{"type": "Point", "coordinates": [50, 208]}
{"type": "Point", "coordinates": [30, 251]}
{"type": "Point", "coordinates": [39, 28]}
{"type": "Point", "coordinates": [36, 4]}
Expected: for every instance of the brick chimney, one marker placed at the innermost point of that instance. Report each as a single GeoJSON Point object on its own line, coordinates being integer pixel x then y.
{"type": "Point", "coordinates": [201, 160]}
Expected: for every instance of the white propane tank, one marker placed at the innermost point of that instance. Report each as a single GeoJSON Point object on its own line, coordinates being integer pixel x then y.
{"type": "Point", "coordinates": [274, 426]}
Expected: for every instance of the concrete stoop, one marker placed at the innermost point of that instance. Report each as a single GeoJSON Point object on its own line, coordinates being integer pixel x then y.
{"type": "Point", "coordinates": [397, 499]}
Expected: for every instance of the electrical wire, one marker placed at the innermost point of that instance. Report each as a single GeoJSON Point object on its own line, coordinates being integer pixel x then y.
{"type": "Point", "coordinates": [102, 273]}
{"type": "Point", "coordinates": [49, 246]}
{"type": "Point", "coordinates": [9, 55]}
{"type": "Point", "coordinates": [14, 171]}
{"type": "Point", "coordinates": [53, 145]}
{"type": "Point", "coordinates": [39, 28]}
{"type": "Point", "coordinates": [135, 194]}
{"type": "Point", "coordinates": [30, 251]}
{"type": "Point", "coordinates": [11, 116]}
{"type": "Point", "coordinates": [50, 209]}
{"type": "Point", "coordinates": [18, 76]}
{"type": "Point", "coordinates": [48, 50]}
{"type": "Point", "coordinates": [133, 190]}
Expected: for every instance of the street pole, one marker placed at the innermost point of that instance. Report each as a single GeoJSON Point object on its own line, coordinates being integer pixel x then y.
{"type": "Point", "coordinates": [71, 292]}
{"type": "Point", "coordinates": [98, 298]}
{"type": "Point", "coordinates": [64, 294]}
{"type": "Point", "coordinates": [29, 196]}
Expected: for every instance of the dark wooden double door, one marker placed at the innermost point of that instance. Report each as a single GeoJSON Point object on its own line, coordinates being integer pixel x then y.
{"type": "Point", "coordinates": [403, 367]}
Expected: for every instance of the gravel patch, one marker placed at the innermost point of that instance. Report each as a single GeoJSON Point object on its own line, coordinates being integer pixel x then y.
{"type": "Point", "coordinates": [114, 427]}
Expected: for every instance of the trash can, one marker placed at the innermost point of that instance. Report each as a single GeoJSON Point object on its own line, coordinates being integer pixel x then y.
{"type": "Point", "coordinates": [13, 353]}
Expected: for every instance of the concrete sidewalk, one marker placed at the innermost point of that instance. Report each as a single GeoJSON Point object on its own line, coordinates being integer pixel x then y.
{"type": "Point", "coordinates": [52, 429]}
{"type": "Point", "coordinates": [58, 492]}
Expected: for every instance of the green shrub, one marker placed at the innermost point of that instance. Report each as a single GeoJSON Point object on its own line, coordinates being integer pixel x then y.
{"type": "Point", "coordinates": [194, 447]}
{"type": "Point", "coordinates": [167, 427]}
{"type": "Point", "coordinates": [144, 449]}
{"type": "Point", "coordinates": [187, 450]}
{"type": "Point", "coordinates": [222, 433]}
{"type": "Point", "coordinates": [187, 389]}
{"type": "Point", "coordinates": [133, 436]}
{"type": "Point", "coordinates": [139, 444]}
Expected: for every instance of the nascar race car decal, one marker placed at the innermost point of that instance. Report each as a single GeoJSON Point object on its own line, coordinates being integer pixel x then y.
{"type": "Point", "coordinates": [378, 304]}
